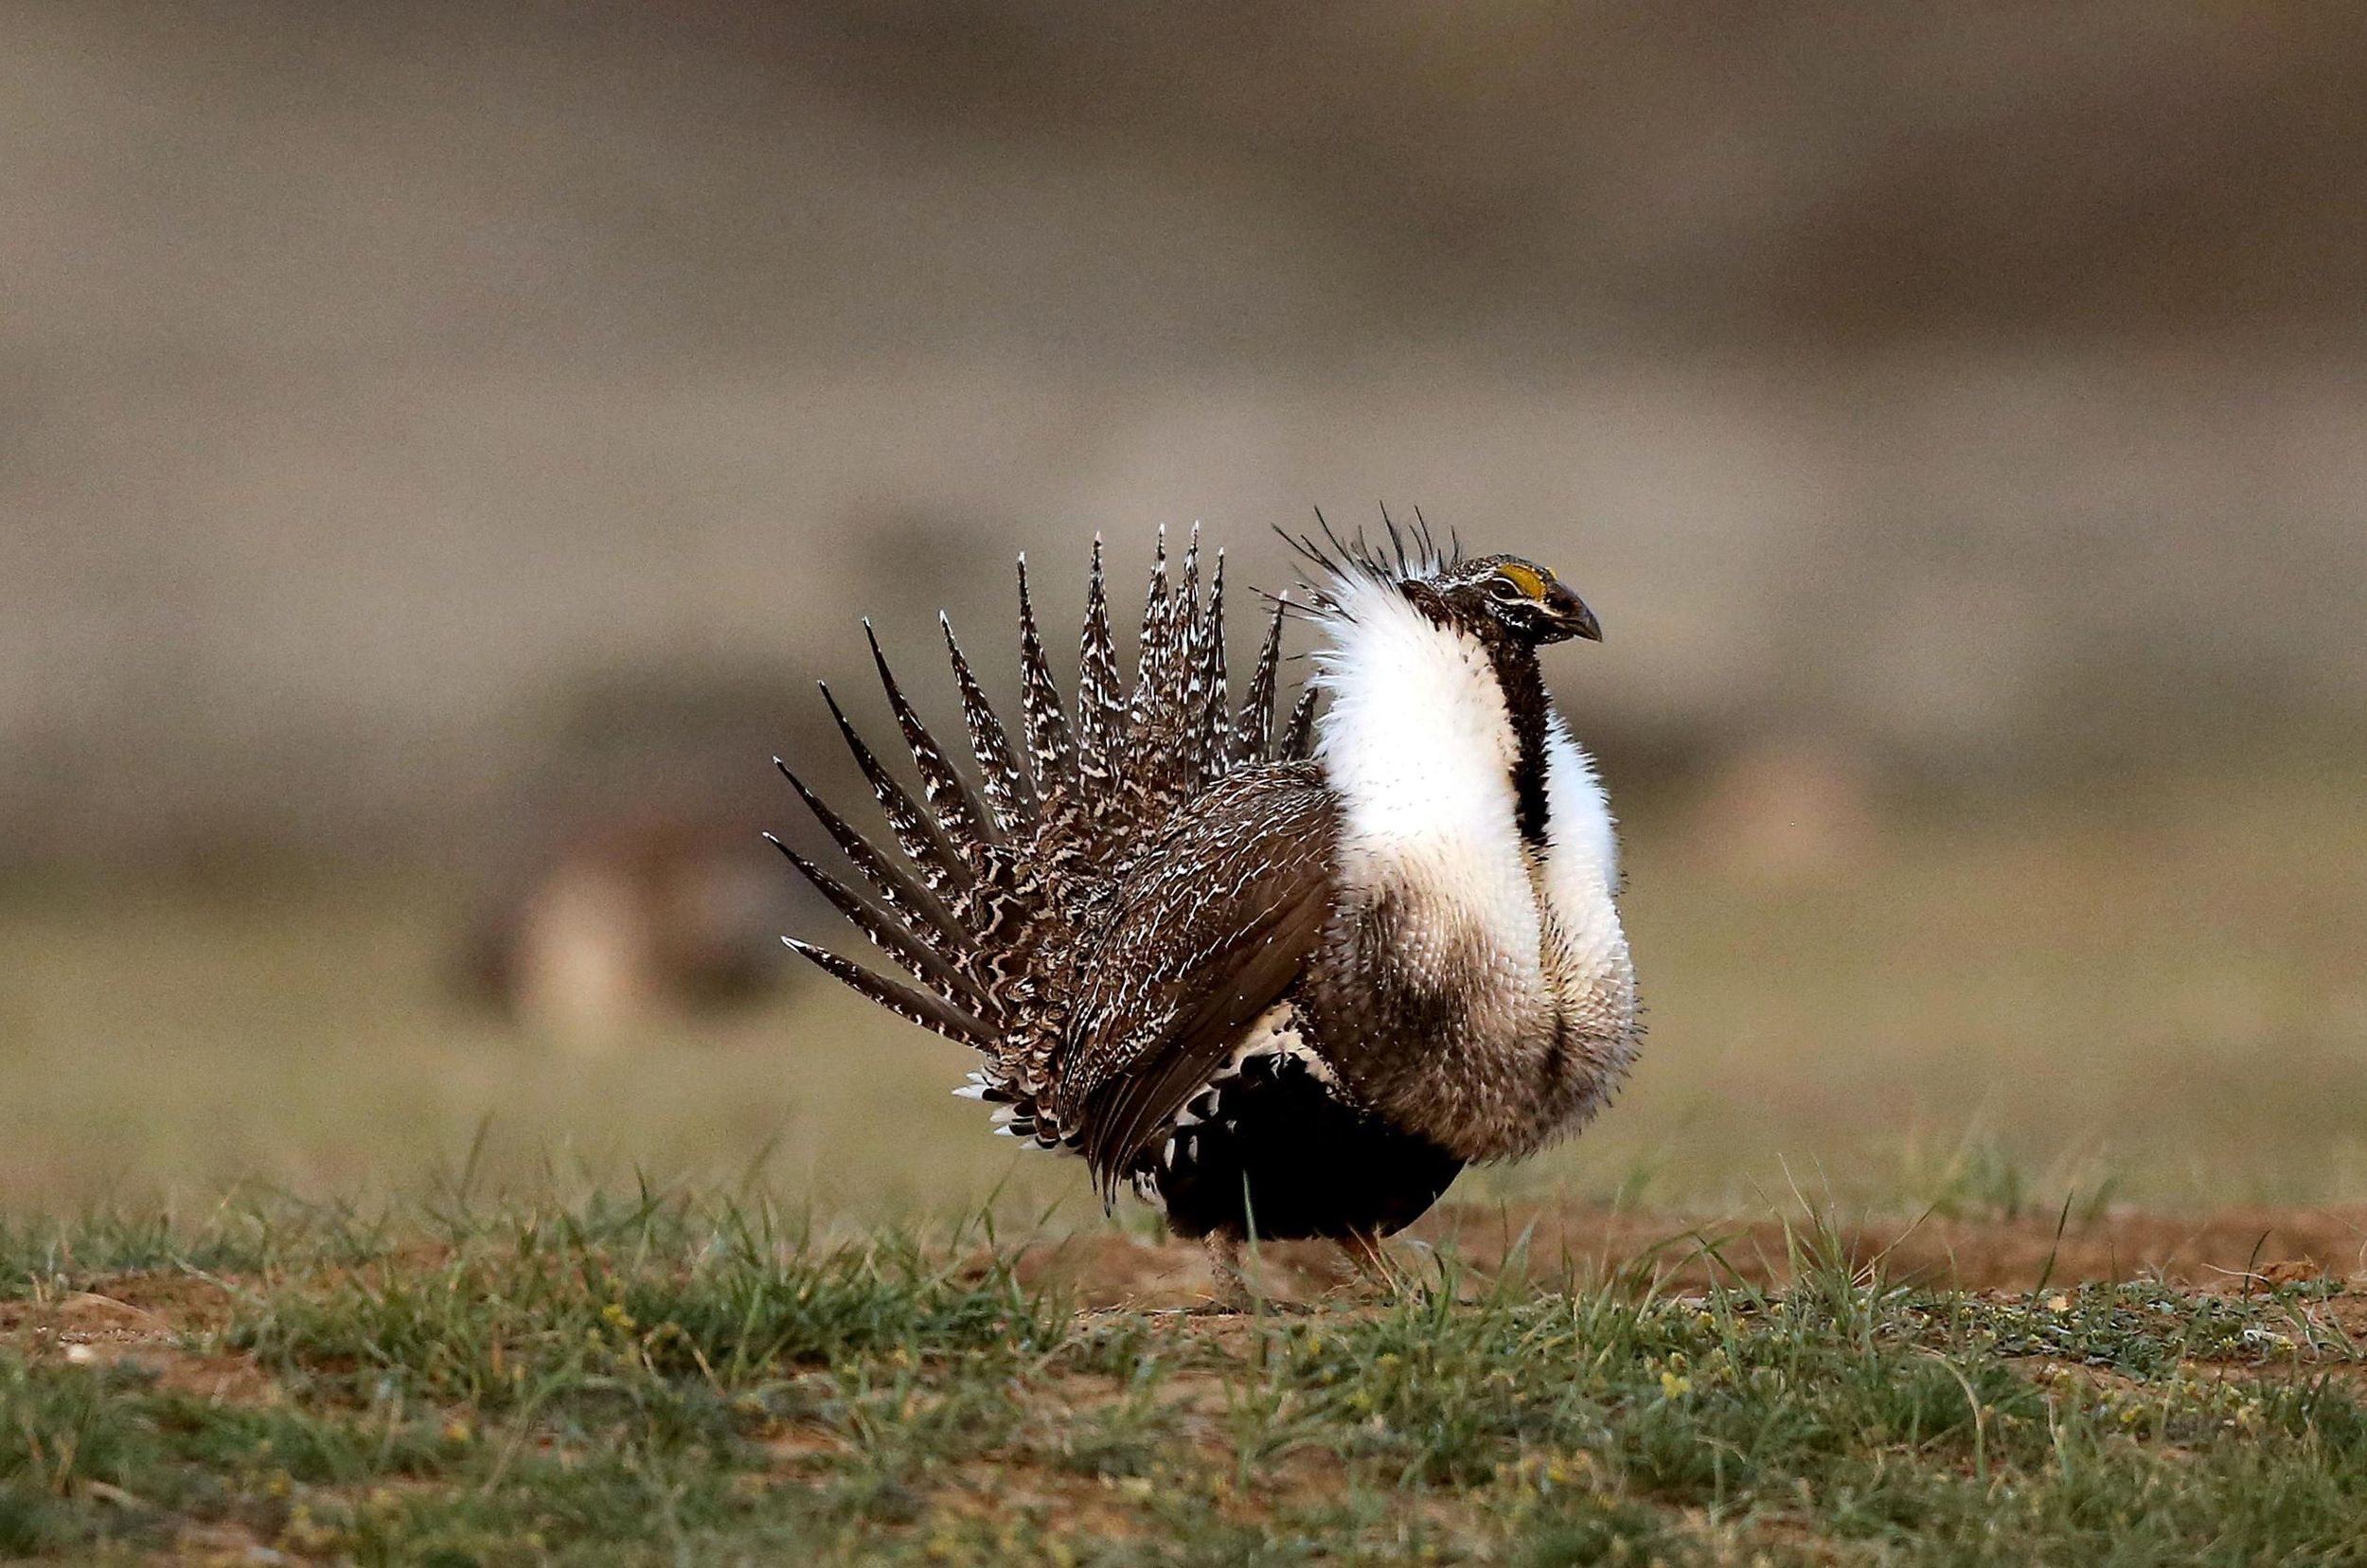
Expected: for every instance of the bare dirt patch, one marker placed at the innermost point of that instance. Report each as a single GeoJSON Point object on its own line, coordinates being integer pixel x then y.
{"type": "Point", "coordinates": [147, 1323]}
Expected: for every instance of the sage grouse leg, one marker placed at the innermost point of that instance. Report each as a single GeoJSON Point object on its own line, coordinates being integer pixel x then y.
{"type": "Point", "coordinates": [1284, 973]}
{"type": "Point", "coordinates": [1225, 1264]}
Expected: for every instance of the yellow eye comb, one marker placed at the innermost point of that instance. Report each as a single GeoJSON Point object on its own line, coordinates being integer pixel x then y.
{"type": "Point", "coordinates": [1525, 578]}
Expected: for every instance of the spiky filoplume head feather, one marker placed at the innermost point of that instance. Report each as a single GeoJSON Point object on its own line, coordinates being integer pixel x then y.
{"type": "Point", "coordinates": [1496, 597]}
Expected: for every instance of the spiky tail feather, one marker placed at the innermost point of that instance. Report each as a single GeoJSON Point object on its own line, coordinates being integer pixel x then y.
{"type": "Point", "coordinates": [981, 900]}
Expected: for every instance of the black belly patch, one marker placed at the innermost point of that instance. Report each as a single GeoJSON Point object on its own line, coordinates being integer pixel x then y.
{"type": "Point", "coordinates": [1278, 1155]}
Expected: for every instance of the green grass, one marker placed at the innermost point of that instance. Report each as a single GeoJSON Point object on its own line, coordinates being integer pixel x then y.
{"type": "Point", "coordinates": [666, 1380]}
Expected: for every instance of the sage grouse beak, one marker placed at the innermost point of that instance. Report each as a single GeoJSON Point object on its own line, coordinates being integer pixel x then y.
{"type": "Point", "coordinates": [1570, 617]}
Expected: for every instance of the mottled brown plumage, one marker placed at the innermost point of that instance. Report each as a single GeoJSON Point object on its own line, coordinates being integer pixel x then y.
{"type": "Point", "coordinates": [1283, 977]}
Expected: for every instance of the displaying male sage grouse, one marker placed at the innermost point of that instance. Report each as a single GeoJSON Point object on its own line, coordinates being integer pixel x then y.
{"type": "Point", "coordinates": [1284, 980]}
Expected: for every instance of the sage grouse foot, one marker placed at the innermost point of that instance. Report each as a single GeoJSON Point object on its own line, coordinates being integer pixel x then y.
{"type": "Point", "coordinates": [1283, 978]}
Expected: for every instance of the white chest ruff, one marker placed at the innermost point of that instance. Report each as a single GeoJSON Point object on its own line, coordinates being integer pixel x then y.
{"type": "Point", "coordinates": [1579, 881]}
{"type": "Point", "coordinates": [1421, 749]}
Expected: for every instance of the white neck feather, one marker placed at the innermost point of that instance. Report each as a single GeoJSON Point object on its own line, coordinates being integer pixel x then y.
{"type": "Point", "coordinates": [1416, 738]}
{"type": "Point", "coordinates": [1581, 881]}
{"type": "Point", "coordinates": [1419, 746]}
{"type": "Point", "coordinates": [1419, 743]}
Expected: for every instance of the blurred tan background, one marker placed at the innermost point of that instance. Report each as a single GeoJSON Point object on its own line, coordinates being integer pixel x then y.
{"type": "Point", "coordinates": [439, 446]}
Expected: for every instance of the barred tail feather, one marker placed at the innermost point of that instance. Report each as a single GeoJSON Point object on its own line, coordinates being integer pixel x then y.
{"type": "Point", "coordinates": [918, 1007]}
{"type": "Point", "coordinates": [1179, 635]}
{"type": "Point", "coordinates": [1049, 744]}
{"type": "Point", "coordinates": [890, 935]}
{"type": "Point", "coordinates": [920, 910]}
{"type": "Point", "coordinates": [961, 817]}
{"type": "Point", "coordinates": [1179, 653]}
{"type": "Point", "coordinates": [1210, 681]}
{"type": "Point", "coordinates": [1167, 718]}
{"type": "Point", "coordinates": [1100, 702]}
{"type": "Point", "coordinates": [1253, 730]}
{"type": "Point", "coordinates": [915, 830]}
{"type": "Point", "coordinates": [1143, 711]}
{"type": "Point", "coordinates": [1010, 792]}
{"type": "Point", "coordinates": [1298, 736]}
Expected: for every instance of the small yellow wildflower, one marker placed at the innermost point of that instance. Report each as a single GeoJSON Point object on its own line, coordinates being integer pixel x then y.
{"type": "Point", "coordinates": [305, 1533]}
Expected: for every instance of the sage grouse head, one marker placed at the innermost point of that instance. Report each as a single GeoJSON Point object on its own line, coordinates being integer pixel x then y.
{"type": "Point", "coordinates": [1283, 978]}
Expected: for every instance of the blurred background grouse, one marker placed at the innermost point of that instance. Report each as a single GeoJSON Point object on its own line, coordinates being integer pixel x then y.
{"type": "Point", "coordinates": [1285, 980]}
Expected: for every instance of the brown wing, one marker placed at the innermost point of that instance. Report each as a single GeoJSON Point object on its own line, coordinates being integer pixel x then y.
{"type": "Point", "coordinates": [1207, 929]}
